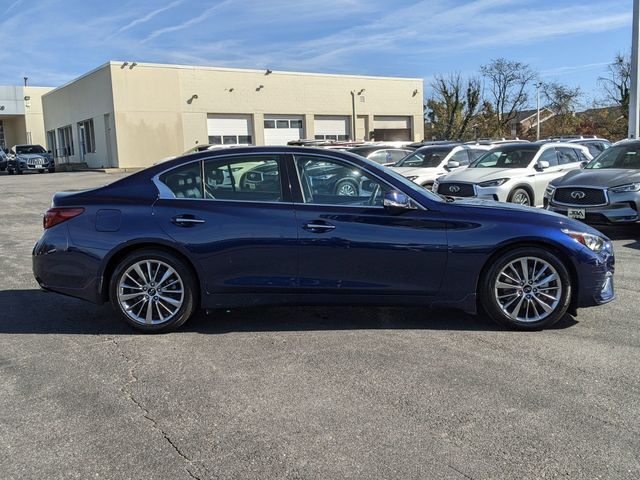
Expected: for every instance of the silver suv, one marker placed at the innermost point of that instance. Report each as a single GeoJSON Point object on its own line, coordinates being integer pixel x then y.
{"type": "Point", "coordinates": [514, 172]}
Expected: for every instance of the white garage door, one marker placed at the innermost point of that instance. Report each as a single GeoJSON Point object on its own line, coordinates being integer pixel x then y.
{"type": "Point", "coordinates": [230, 129]}
{"type": "Point", "coordinates": [331, 128]}
{"type": "Point", "coordinates": [391, 122]}
{"type": "Point", "coordinates": [280, 129]}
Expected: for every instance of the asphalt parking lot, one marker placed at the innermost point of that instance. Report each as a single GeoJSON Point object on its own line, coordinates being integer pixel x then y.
{"type": "Point", "coordinates": [307, 393]}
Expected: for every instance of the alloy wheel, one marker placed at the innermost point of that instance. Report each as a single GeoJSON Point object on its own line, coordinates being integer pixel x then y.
{"type": "Point", "coordinates": [150, 292]}
{"type": "Point", "coordinates": [347, 189]}
{"type": "Point", "coordinates": [528, 289]}
{"type": "Point", "coordinates": [521, 198]}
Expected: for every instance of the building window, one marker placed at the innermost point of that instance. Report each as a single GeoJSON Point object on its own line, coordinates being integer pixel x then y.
{"type": "Point", "coordinates": [295, 123]}
{"type": "Point", "coordinates": [65, 140]}
{"type": "Point", "coordinates": [51, 142]}
{"type": "Point", "coordinates": [282, 123]}
{"type": "Point", "coordinates": [269, 124]}
{"type": "Point", "coordinates": [230, 139]}
{"type": "Point", "coordinates": [87, 136]}
{"type": "Point", "coordinates": [341, 138]}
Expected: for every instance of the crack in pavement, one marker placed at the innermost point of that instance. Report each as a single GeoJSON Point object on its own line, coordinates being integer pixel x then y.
{"type": "Point", "coordinates": [126, 389]}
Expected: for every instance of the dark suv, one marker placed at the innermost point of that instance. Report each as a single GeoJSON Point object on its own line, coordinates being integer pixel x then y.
{"type": "Point", "coordinates": [30, 158]}
{"type": "Point", "coordinates": [606, 191]}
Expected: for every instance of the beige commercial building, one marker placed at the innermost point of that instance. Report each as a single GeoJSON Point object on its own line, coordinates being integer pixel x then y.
{"type": "Point", "coordinates": [21, 118]}
{"type": "Point", "coordinates": [128, 114]}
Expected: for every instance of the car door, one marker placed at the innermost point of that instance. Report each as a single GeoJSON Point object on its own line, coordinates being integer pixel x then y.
{"type": "Point", "coordinates": [235, 216]}
{"type": "Point", "coordinates": [351, 244]}
{"type": "Point", "coordinates": [541, 178]}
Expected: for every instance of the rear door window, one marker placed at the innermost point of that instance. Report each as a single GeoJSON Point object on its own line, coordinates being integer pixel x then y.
{"type": "Point", "coordinates": [250, 178]}
{"type": "Point", "coordinates": [567, 156]}
{"type": "Point", "coordinates": [184, 181]}
{"type": "Point", "coordinates": [550, 156]}
{"type": "Point", "coordinates": [462, 157]}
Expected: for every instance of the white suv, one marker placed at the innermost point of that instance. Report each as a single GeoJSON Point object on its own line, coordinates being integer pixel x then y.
{"type": "Point", "coordinates": [516, 172]}
{"type": "Point", "coordinates": [425, 164]}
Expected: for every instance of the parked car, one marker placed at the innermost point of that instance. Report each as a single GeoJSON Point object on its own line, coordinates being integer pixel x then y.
{"type": "Point", "coordinates": [159, 244]}
{"type": "Point", "coordinates": [606, 191]}
{"type": "Point", "coordinates": [595, 145]}
{"type": "Point", "coordinates": [516, 173]}
{"type": "Point", "coordinates": [30, 158]}
{"type": "Point", "coordinates": [3, 160]}
{"type": "Point", "coordinates": [382, 154]}
{"type": "Point", "coordinates": [426, 164]}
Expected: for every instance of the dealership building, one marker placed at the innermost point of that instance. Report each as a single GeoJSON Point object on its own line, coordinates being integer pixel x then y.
{"type": "Point", "coordinates": [129, 114]}
{"type": "Point", "coordinates": [21, 118]}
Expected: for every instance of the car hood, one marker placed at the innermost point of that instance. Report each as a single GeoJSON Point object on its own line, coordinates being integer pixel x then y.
{"type": "Point", "coordinates": [549, 217]}
{"type": "Point", "coordinates": [477, 175]}
{"type": "Point", "coordinates": [598, 177]}
{"type": "Point", "coordinates": [406, 171]}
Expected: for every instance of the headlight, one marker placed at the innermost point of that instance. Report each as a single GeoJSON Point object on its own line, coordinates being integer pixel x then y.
{"type": "Point", "coordinates": [592, 242]}
{"type": "Point", "coordinates": [549, 191]}
{"type": "Point", "coordinates": [494, 183]}
{"type": "Point", "coordinates": [412, 177]}
{"type": "Point", "coordinates": [630, 187]}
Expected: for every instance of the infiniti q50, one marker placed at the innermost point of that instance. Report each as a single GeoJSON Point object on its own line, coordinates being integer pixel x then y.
{"type": "Point", "coordinates": [258, 226]}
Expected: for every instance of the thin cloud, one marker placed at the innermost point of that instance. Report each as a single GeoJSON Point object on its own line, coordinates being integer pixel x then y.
{"type": "Point", "coordinates": [13, 6]}
{"type": "Point", "coordinates": [189, 23]}
{"type": "Point", "coordinates": [148, 16]}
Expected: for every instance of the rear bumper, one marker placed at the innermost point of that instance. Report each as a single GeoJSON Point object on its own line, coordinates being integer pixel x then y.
{"type": "Point", "coordinates": [61, 268]}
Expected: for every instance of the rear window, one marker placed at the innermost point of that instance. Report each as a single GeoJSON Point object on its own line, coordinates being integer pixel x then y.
{"type": "Point", "coordinates": [184, 181]}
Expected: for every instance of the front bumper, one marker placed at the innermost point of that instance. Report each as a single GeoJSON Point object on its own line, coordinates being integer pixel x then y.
{"type": "Point", "coordinates": [620, 209]}
{"type": "Point", "coordinates": [595, 278]}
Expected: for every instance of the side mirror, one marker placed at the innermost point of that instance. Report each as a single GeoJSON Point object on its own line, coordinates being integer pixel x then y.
{"type": "Point", "coordinates": [398, 202]}
{"type": "Point", "coordinates": [451, 164]}
{"type": "Point", "coordinates": [543, 164]}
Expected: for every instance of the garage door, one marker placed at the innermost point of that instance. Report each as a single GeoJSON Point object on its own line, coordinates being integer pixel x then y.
{"type": "Point", "coordinates": [331, 127]}
{"type": "Point", "coordinates": [392, 128]}
{"type": "Point", "coordinates": [280, 129]}
{"type": "Point", "coordinates": [230, 129]}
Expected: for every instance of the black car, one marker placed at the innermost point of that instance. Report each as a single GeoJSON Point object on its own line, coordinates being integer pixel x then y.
{"type": "Point", "coordinates": [606, 191]}
{"type": "Point", "coordinates": [30, 158]}
{"type": "Point", "coordinates": [3, 160]}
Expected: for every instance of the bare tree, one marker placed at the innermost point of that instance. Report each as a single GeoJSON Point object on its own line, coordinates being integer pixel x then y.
{"type": "Point", "coordinates": [617, 82]}
{"type": "Point", "coordinates": [453, 104]}
{"type": "Point", "coordinates": [564, 101]}
{"type": "Point", "coordinates": [507, 82]}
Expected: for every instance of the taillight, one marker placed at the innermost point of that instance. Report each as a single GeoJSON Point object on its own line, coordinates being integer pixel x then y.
{"type": "Point", "coordinates": [57, 215]}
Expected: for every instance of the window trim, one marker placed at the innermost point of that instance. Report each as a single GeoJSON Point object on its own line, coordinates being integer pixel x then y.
{"type": "Point", "coordinates": [165, 193]}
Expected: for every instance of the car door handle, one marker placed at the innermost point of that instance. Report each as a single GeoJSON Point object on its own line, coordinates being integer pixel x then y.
{"type": "Point", "coordinates": [186, 220]}
{"type": "Point", "coordinates": [318, 226]}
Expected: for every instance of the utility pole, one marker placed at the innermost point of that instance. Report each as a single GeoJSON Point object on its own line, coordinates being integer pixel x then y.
{"type": "Point", "coordinates": [538, 85]}
{"type": "Point", "coordinates": [634, 106]}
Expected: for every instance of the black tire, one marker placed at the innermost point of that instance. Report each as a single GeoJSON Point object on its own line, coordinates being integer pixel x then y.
{"type": "Point", "coordinates": [343, 183]}
{"type": "Point", "coordinates": [40, 171]}
{"type": "Point", "coordinates": [187, 276]}
{"type": "Point", "coordinates": [10, 172]}
{"type": "Point", "coordinates": [520, 193]}
{"type": "Point", "coordinates": [487, 293]}
{"type": "Point", "coordinates": [19, 172]}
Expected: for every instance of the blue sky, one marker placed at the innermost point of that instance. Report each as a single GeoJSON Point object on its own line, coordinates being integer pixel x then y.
{"type": "Point", "coordinates": [53, 41]}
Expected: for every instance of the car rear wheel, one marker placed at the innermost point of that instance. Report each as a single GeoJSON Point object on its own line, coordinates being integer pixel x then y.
{"type": "Point", "coordinates": [346, 188]}
{"type": "Point", "coordinates": [520, 196]}
{"type": "Point", "coordinates": [153, 290]}
{"type": "Point", "coordinates": [526, 288]}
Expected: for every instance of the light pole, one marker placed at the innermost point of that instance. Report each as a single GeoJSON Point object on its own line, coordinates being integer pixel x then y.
{"type": "Point", "coordinates": [538, 85]}
{"type": "Point", "coordinates": [634, 106]}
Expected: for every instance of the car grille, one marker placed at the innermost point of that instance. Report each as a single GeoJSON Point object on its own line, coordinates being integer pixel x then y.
{"type": "Point", "coordinates": [457, 189]}
{"type": "Point", "coordinates": [580, 196]}
{"type": "Point", "coordinates": [36, 161]}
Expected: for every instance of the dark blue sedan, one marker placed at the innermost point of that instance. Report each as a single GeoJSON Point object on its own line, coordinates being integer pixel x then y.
{"type": "Point", "coordinates": [260, 226]}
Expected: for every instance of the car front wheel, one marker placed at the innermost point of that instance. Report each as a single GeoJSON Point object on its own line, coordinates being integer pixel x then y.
{"type": "Point", "coordinates": [153, 290]}
{"type": "Point", "coordinates": [520, 196]}
{"type": "Point", "coordinates": [526, 288]}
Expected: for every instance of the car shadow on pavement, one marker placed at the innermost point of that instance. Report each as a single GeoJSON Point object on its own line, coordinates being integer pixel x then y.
{"type": "Point", "coordinates": [40, 312]}
{"type": "Point", "coordinates": [623, 233]}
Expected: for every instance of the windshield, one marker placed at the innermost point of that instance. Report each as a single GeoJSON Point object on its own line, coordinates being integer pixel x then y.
{"type": "Point", "coordinates": [425, 158]}
{"type": "Point", "coordinates": [621, 156]}
{"type": "Point", "coordinates": [24, 149]}
{"type": "Point", "coordinates": [505, 158]}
